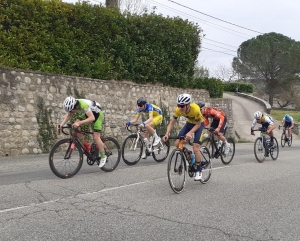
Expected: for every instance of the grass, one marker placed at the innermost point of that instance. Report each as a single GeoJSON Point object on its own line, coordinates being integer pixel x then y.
{"type": "Point", "coordinates": [279, 114]}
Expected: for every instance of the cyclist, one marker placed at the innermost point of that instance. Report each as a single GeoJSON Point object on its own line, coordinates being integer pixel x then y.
{"type": "Point", "coordinates": [266, 122]}
{"type": "Point", "coordinates": [154, 118]}
{"type": "Point", "coordinates": [194, 124]}
{"type": "Point", "coordinates": [91, 112]}
{"type": "Point", "coordinates": [219, 121]}
{"type": "Point", "coordinates": [287, 122]}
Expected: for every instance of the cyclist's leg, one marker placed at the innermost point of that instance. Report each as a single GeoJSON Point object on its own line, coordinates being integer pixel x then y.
{"type": "Point", "coordinates": [185, 129]}
{"type": "Point", "coordinates": [222, 130]}
{"type": "Point", "coordinates": [97, 137]}
{"type": "Point", "coordinates": [155, 121]}
{"type": "Point", "coordinates": [196, 149]}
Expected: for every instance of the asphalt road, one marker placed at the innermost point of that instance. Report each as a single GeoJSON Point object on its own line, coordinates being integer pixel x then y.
{"type": "Point", "coordinates": [245, 201]}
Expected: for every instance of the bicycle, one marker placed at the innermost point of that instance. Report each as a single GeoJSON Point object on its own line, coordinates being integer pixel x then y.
{"type": "Point", "coordinates": [217, 147]}
{"type": "Point", "coordinates": [66, 156]}
{"type": "Point", "coordinates": [284, 138]}
{"type": "Point", "coordinates": [262, 146]}
{"type": "Point", "coordinates": [133, 145]}
{"type": "Point", "coordinates": [180, 162]}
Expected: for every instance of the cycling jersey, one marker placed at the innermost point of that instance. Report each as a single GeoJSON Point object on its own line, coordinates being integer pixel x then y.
{"type": "Point", "coordinates": [150, 109]}
{"type": "Point", "coordinates": [287, 118]}
{"type": "Point", "coordinates": [85, 106]}
{"type": "Point", "coordinates": [193, 116]}
{"type": "Point", "coordinates": [218, 116]}
{"type": "Point", "coordinates": [265, 121]}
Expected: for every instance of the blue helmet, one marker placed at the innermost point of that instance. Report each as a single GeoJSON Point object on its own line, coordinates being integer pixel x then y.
{"type": "Point", "coordinates": [286, 116]}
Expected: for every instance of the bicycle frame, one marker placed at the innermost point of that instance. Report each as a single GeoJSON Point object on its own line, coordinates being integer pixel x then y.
{"type": "Point", "coordinates": [74, 138]}
{"type": "Point", "coordinates": [139, 134]}
{"type": "Point", "coordinates": [216, 147]}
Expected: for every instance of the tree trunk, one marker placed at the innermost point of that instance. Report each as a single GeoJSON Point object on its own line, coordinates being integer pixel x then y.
{"type": "Point", "coordinates": [271, 94]}
{"type": "Point", "coordinates": [112, 3]}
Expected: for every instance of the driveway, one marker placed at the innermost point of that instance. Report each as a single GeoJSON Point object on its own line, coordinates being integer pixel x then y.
{"type": "Point", "coordinates": [243, 110]}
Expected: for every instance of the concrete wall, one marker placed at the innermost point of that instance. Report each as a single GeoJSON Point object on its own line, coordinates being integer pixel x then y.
{"type": "Point", "coordinates": [19, 91]}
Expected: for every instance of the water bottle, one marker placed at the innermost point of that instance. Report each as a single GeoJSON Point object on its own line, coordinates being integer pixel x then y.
{"type": "Point", "coordinates": [193, 158]}
{"type": "Point", "coordinates": [87, 145]}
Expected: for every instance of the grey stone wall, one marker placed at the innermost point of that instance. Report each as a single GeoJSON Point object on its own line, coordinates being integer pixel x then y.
{"type": "Point", "coordinates": [19, 91]}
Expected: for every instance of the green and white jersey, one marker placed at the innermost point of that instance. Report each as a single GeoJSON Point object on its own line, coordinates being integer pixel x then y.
{"type": "Point", "coordinates": [87, 105]}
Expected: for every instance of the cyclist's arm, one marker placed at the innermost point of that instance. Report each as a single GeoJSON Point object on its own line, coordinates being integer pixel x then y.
{"type": "Point", "coordinates": [66, 119]}
{"type": "Point", "coordinates": [169, 128]}
{"type": "Point", "coordinates": [90, 118]}
{"type": "Point", "coordinates": [193, 130]}
{"type": "Point", "coordinates": [135, 119]}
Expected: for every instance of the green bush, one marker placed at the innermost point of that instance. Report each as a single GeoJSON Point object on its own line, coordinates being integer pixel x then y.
{"type": "Point", "coordinates": [212, 85]}
{"type": "Point", "coordinates": [97, 42]}
{"type": "Point", "coordinates": [242, 87]}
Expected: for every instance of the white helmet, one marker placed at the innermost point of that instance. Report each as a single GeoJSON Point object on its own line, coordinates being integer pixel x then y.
{"type": "Point", "coordinates": [69, 103]}
{"type": "Point", "coordinates": [184, 99]}
{"type": "Point", "coordinates": [257, 115]}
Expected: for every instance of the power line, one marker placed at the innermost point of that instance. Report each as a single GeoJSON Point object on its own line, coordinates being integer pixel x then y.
{"type": "Point", "coordinates": [218, 51]}
{"type": "Point", "coordinates": [201, 20]}
{"type": "Point", "coordinates": [221, 47]}
{"type": "Point", "coordinates": [213, 17]}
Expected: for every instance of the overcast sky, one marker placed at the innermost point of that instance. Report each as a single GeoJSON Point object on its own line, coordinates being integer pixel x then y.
{"type": "Point", "coordinates": [254, 17]}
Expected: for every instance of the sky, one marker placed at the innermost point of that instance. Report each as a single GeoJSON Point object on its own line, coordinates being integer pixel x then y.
{"type": "Point", "coordinates": [226, 24]}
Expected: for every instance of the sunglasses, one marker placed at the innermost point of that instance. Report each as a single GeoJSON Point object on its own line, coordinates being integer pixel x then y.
{"type": "Point", "coordinates": [181, 106]}
{"type": "Point", "coordinates": [140, 105]}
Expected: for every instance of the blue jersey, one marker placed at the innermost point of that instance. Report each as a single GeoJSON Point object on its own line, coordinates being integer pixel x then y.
{"type": "Point", "coordinates": [150, 109]}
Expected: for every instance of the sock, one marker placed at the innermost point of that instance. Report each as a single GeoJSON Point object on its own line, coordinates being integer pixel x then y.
{"type": "Point", "coordinates": [199, 168]}
{"type": "Point", "coordinates": [102, 154]}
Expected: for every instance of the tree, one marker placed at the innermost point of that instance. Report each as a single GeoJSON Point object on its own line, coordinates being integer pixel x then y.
{"type": "Point", "coordinates": [112, 3]}
{"type": "Point", "coordinates": [225, 73]}
{"type": "Point", "coordinates": [134, 6]}
{"type": "Point", "coordinates": [201, 72]}
{"type": "Point", "coordinates": [270, 61]}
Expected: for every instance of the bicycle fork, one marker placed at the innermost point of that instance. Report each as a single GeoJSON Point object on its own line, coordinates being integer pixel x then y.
{"type": "Point", "coordinates": [69, 150]}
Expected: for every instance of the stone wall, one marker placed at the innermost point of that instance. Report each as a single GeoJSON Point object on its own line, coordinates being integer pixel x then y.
{"type": "Point", "coordinates": [19, 91]}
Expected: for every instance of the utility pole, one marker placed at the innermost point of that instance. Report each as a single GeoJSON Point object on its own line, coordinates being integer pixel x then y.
{"type": "Point", "coordinates": [112, 3]}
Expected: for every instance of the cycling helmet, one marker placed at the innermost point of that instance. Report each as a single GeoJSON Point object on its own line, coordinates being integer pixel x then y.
{"type": "Point", "coordinates": [286, 116]}
{"type": "Point", "coordinates": [141, 101]}
{"type": "Point", "coordinates": [201, 104]}
{"type": "Point", "coordinates": [257, 115]}
{"type": "Point", "coordinates": [184, 99]}
{"type": "Point", "coordinates": [69, 103]}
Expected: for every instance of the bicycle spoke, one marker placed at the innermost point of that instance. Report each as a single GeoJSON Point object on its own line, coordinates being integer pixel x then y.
{"type": "Point", "coordinates": [64, 161]}
{"type": "Point", "coordinates": [176, 171]}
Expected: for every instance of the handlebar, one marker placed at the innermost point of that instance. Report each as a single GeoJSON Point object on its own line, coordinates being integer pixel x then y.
{"type": "Point", "coordinates": [69, 126]}
{"type": "Point", "coordinates": [128, 128]}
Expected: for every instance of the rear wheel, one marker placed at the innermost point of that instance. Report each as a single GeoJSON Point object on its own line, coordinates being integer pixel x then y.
{"type": "Point", "coordinates": [227, 156]}
{"type": "Point", "coordinates": [176, 171]}
{"type": "Point", "coordinates": [113, 153]}
{"type": "Point", "coordinates": [132, 149]}
{"type": "Point", "coordinates": [283, 139]}
{"type": "Point", "coordinates": [259, 150]}
{"type": "Point", "coordinates": [274, 151]}
{"type": "Point", "coordinates": [207, 143]}
{"type": "Point", "coordinates": [205, 164]}
{"type": "Point", "coordinates": [65, 158]}
{"type": "Point", "coordinates": [161, 151]}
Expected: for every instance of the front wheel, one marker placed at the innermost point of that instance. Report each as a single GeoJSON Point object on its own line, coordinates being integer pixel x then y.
{"type": "Point", "coordinates": [113, 153]}
{"type": "Point", "coordinates": [290, 140]}
{"type": "Point", "coordinates": [227, 153]}
{"type": "Point", "coordinates": [274, 150]}
{"type": "Point", "coordinates": [259, 150]}
{"type": "Point", "coordinates": [283, 140]}
{"type": "Point", "coordinates": [177, 170]}
{"type": "Point", "coordinates": [132, 150]}
{"type": "Point", "coordinates": [65, 158]}
{"type": "Point", "coordinates": [161, 151]}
